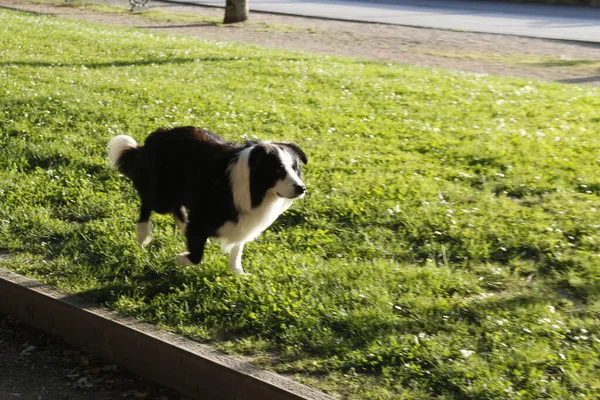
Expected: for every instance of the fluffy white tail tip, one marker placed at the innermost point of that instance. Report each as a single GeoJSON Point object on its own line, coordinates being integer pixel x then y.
{"type": "Point", "coordinates": [116, 146]}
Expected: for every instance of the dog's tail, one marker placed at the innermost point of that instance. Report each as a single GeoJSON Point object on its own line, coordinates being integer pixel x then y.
{"type": "Point", "coordinates": [122, 154]}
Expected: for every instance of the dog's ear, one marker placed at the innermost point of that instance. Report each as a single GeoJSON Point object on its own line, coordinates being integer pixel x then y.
{"type": "Point", "coordinates": [296, 150]}
{"type": "Point", "coordinates": [256, 155]}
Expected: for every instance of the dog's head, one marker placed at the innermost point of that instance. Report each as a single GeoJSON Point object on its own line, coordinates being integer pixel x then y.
{"type": "Point", "coordinates": [276, 168]}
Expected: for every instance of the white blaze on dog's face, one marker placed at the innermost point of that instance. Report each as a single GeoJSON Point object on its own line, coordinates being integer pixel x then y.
{"type": "Point", "coordinates": [289, 185]}
{"type": "Point", "coordinates": [276, 168]}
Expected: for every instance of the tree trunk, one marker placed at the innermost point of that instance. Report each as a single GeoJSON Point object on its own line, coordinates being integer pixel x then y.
{"type": "Point", "coordinates": [235, 11]}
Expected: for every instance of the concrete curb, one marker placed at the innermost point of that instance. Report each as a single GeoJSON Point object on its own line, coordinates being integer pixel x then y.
{"type": "Point", "coordinates": [196, 370]}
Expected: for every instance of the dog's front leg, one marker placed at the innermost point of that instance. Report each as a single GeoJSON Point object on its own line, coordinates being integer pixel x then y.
{"type": "Point", "coordinates": [235, 259]}
{"type": "Point", "coordinates": [196, 240]}
{"type": "Point", "coordinates": [144, 227]}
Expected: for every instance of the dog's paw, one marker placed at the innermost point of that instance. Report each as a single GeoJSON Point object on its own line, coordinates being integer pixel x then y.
{"type": "Point", "coordinates": [182, 258]}
{"type": "Point", "coordinates": [144, 241]}
{"type": "Point", "coordinates": [143, 233]}
{"type": "Point", "coordinates": [238, 271]}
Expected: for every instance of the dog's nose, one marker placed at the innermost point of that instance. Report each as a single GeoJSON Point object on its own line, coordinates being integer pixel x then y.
{"type": "Point", "coordinates": [300, 189]}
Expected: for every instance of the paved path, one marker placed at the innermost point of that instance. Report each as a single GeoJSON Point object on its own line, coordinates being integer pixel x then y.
{"type": "Point", "coordinates": [532, 20]}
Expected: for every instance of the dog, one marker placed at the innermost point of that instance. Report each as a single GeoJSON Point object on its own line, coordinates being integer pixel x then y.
{"type": "Point", "coordinates": [214, 188]}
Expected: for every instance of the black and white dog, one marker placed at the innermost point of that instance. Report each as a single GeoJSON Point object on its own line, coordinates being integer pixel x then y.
{"type": "Point", "coordinates": [232, 192]}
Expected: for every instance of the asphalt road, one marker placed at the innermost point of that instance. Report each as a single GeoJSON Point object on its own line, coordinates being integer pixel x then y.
{"type": "Point", "coordinates": [531, 20]}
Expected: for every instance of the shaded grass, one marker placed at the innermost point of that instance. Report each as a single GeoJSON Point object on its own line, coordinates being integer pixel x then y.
{"type": "Point", "coordinates": [448, 246]}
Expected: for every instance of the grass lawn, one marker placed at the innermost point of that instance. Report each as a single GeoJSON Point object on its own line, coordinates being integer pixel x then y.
{"type": "Point", "coordinates": [448, 247]}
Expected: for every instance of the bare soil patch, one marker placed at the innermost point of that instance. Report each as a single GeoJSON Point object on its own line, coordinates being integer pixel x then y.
{"type": "Point", "coordinates": [35, 365]}
{"type": "Point", "coordinates": [503, 55]}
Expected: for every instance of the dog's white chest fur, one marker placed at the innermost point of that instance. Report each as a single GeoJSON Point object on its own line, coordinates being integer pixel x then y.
{"type": "Point", "coordinates": [252, 223]}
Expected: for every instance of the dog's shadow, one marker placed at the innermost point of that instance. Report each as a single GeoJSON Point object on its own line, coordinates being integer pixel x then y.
{"type": "Point", "coordinates": [148, 285]}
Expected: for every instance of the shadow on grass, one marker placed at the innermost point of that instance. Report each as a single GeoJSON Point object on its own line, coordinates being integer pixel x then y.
{"type": "Point", "coordinates": [192, 25]}
{"type": "Point", "coordinates": [23, 11]}
{"type": "Point", "coordinates": [588, 79]}
{"type": "Point", "coordinates": [111, 64]}
{"type": "Point", "coordinates": [148, 285]}
{"type": "Point", "coordinates": [30, 156]}
{"type": "Point", "coordinates": [563, 63]}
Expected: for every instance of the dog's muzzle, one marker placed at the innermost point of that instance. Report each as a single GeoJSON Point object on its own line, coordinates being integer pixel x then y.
{"type": "Point", "coordinates": [299, 190]}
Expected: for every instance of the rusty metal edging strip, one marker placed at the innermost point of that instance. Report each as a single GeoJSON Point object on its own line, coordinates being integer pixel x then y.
{"type": "Point", "coordinates": [196, 370]}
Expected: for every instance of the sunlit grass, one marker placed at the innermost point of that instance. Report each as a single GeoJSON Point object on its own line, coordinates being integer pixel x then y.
{"type": "Point", "coordinates": [448, 246]}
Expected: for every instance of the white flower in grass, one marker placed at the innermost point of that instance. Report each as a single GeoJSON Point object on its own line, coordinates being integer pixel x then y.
{"type": "Point", "coordinates": [394, 210]}
{"type": "Point", "coordinates": [466, 353]}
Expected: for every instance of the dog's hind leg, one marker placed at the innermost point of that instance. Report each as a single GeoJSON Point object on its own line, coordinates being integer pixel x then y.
{"type": "Point", "coordinates": [180, 218]}
{"type": "Point", "coordinates": [144, 227]}
{"type": "Point", "coordinates": [196, 240]}
{"type": "Point", "coordinates": [235, 259]}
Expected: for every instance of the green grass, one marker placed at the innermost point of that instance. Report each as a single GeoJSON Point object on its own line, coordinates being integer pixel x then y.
{"type": "Point", "coordinates": [448, 248]}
